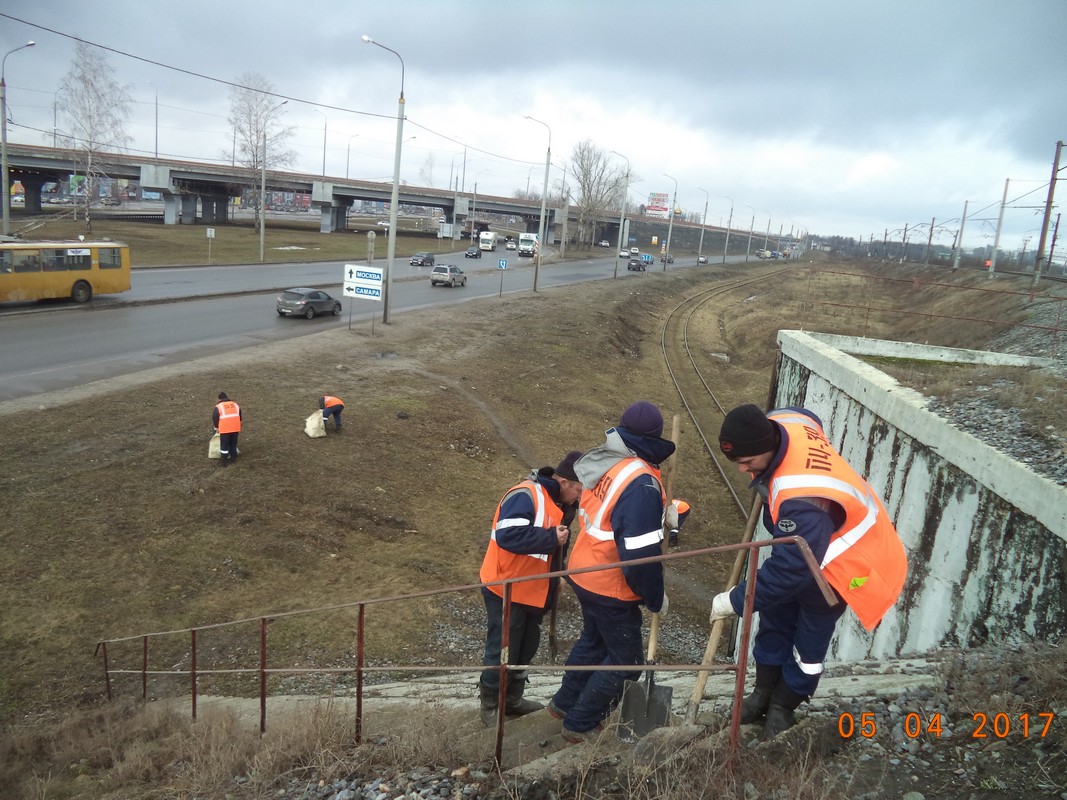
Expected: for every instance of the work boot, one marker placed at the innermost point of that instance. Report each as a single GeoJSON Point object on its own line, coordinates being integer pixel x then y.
{"type": "Point", "coordinates": [488, 698]}
{"type": "Point", "coordinates": [754, 707]}
{"type": "Point", "coordinates": [780, 716]}
{"type": "Point", "coordinates": [514, 705]}
{"type": "Point", "coordinates": [224, 461]}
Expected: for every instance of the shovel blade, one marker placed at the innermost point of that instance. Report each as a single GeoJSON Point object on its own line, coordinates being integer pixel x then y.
{"type": "Point", "coordinates": [644, 708]}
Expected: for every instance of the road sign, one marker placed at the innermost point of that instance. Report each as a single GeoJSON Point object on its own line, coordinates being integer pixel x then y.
{"type": "Point", "coordinates": [363, 281]}
{"type": "Point", "coordinates": [502, 263]}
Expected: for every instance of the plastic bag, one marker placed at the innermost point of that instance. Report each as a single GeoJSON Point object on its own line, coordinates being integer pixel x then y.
{"type": "Point", "coordinates": [314, 426]}
{"type": "Point", "coordinates": [213, 446]}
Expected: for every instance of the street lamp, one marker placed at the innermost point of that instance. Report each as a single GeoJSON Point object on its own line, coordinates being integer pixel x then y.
{"type": "Point", "coordinates": [395, 201]}
{"type": "Point", "coordinates": [348, 153]}
{"type": "Point", "coordinates": [3, 135]}
{"type": "Point", "coordinates": [263, 183]}
{"type": "Point", "coordinates": [622, 212]}
{"type": "Point", "coordinates": [544, 197]}
{"type": "Point", "coordinates": [729, 222]}
{"type": "Point", "coordinates": [670, 225]}
{"type": "Point", "coordinates": [155, 89]}
{"type": "Point", "coordinates": [325, 120]}
{"type": "Point", "coordinates": [751, 225]}
{"type": "Point", "coordinates": [474, 207]}
{"type": "Point", "coordinates": [703, 224]}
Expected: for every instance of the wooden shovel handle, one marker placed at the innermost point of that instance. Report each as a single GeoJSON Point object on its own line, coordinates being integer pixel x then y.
{"type": "Point", "coordinates": [716, 628]}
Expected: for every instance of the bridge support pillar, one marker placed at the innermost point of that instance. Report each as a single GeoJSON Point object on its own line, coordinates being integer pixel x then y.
{"type": "Point", "coordinates": [188, 209]}
{"type": "Point", "coordinates": [32, 184]}
{"type": "Point", "coordinates": [170, 208]}
{"type": "Point", "coordinates": [213, 208]}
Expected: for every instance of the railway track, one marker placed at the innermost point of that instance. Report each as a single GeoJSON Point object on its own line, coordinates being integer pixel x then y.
{"type": "Point", "coordinates": [698, 397]}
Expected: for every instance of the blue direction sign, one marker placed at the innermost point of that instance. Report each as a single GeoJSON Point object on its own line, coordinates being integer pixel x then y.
{"type": "Point", "coordinates": [363, 281]}
{"type": "Point", "coordinates": [502, 263]}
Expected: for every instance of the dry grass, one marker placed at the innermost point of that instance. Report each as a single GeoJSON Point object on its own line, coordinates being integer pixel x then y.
{"type": "Point", "coordinates": [116, 523]}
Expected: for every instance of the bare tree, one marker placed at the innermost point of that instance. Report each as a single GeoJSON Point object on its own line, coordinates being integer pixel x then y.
{"type": "Point", "coordinates": [253, 108]}
{"type": "Point", "coordinates": [599, 185]}
{"type": "Point", "coordinates": [426, 170]}
{"type": "Point", "coordinates": [96, 107]}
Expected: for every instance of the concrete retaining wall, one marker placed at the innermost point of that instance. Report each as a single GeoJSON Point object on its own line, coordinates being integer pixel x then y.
{"type": "Point", "coordinates": [986, 537]}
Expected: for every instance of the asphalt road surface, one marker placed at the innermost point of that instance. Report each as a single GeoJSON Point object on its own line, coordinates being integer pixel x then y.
{"type": "Point", "coordinates": [174, 315]}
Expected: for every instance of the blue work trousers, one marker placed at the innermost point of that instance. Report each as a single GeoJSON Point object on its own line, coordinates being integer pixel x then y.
{"type": "Point", "coordinates": [524, 637]}
{"type": "Point", "coordinates": [611, 635]}
{"type": "Point", "coordinates": [335, 412]}
{"type": "Point", "coordinates": [795, 636]}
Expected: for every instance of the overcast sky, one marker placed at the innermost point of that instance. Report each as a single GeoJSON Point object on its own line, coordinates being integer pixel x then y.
{"type": "Point", "coordinates": [841, 117]}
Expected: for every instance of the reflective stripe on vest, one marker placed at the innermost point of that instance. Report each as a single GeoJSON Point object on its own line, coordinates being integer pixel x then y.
{"type": "Point", "coordinates": [865, 560]}
{"type": "Point", "coordinates": [500, 563]}
{"type": "Point", "coordinates": [229, 416]}
{"type": "Point", "coordinates": [595, 543]}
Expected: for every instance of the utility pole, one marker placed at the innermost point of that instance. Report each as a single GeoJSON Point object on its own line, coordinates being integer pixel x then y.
{"type": "Point", "coordinates": [1048, 214]}
{"type": "Point", "coordinates": [929, 241]}
{"type": "Point", "coordinates": [959, 238]}
{"type": "Point", "coordinates": [1000, 224]}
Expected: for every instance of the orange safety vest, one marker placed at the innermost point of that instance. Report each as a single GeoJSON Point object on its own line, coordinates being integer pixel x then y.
{"type": "Point", "coordinates": [595, 543]}
{"type": "Point", "coordinates": [229, 417]}
{"type": "Point", "coordinates": [499, 563]}
{"type": "Point", "coordinates": [329, 401]}
{"type": "Point", "coordinates": [865, 560]}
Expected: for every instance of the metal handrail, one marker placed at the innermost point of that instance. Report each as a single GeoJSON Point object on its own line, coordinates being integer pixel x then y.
{"type": "Point", "coordinates": [361, 668]}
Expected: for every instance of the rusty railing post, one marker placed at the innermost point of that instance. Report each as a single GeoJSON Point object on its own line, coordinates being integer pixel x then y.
{"type": "Point", "coordinates": [144, 669]}
{"type": "Point", "coordinates": [262, 674]}
{"type": "Point", "coordinates": [359, 672]}
{"type": "Point", "coordinates": [192, 667]}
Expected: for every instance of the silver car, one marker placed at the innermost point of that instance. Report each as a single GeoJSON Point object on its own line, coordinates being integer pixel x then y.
{"type": "Point", "coordinates": [305, 302]}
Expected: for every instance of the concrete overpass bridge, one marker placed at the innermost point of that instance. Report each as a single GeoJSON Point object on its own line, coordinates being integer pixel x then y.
{"type": "Point", "coordinates": [201, 192]}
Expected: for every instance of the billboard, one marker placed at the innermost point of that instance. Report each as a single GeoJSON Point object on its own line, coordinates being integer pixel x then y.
{"type": "Point", "coordinates": [658, 204]}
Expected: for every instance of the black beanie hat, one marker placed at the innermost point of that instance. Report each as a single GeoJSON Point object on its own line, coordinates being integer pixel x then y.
{"type": "Point", "coordinates": [745, 432]}
{"type": "Point", "coordinates": [642, 418]}
{"type": "Point", "coordinates": [566, 466]}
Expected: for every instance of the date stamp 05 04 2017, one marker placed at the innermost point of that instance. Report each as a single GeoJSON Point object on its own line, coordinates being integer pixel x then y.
{"type": "Point", "coordinates": [986, 726]}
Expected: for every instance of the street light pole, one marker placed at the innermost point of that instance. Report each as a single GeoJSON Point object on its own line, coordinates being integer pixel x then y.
{"type": "Point", "coordinates": [263, 184]}
{"type": "Point", "coordinates": [395, 201]}
{"type": "Point", "coordinates": [325, 121]}
{"type": "Point", "coordinates": [348, 153]}
{"type": "Point", "coordinates": [703, 224]}
{"type": "Point", "coordinates": [729, 222]}
{"type": "Point", "coordinates": [544, 197]}
{"type": "Point", "coordinates": [751, 225]}
{"type": "Point", "coordinates": [670, 224]}
{"type": "Point", "coordinates": [3, 135]}
{"type": "Point", "coordinates": [155, 90]}
{"type": "Point", "coordinates": [622, 211]}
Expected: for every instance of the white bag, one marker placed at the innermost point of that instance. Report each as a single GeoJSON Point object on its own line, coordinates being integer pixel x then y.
{"type": "Point", "coordinates": [314, 426]}
{"type": "Point", "coordinates": [213, 446]}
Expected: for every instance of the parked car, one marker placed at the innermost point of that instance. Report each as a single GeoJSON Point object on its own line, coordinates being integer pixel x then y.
{"type": "Point", "coordinates": [422, 260]}
{"type": "Point", "coordinates": [511, 244]}
{"type": "Point", "coordinates": [447, 275]}
{"type": "Point", "coordinates": [624, 254]}
{"type": "Point", "coordinates": [702, 259]}
{"type": "Point", "coordinates": [304, 302]}
{"type": "Point", "coordinates": [384, 224]}
{"type": "Point", "coordinates": [636, 264]}
{"type": "Point", "coordinates": [603, 243]}
{"type": "Point", "coordinates": [473, 252]}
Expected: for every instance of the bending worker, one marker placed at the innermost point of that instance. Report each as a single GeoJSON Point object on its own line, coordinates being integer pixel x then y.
{"type": "Point", "coordinates": [226, 420]}
{"type": "Point", "coordinates": [809, 490]}
{"type": "Point", "coordinates": [331, 406]}
{"type": "Point", "coordinates": [620, 519]}
{"type": "Point", "coordinates": [528, 537]}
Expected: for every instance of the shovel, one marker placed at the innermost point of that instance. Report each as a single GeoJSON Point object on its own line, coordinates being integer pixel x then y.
{"type": "Point", "coordinates": [645, 707]}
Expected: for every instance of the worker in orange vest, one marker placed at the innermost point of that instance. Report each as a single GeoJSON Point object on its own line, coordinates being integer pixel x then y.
{"type": "Point", "coordinates": [332, 407]}
{"type": "Point", "coordinates": [528, 537]}
{"type": "Point", "coordinates": [226, 420]}
{"type": "Point", "coordinates": [810, 491]}
{"type": "Point", "coordinates": [675, 518]}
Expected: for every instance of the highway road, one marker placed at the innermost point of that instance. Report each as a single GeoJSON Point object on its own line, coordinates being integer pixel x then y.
{"type": "Point", "coordinates": [174, 315]}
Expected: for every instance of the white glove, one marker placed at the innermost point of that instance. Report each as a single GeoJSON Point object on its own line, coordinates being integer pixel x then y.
{"type": "Point", "coordinates": [721, 607]}
{"type": "Point", "coordinates": [663, 607]}
{"type": "Point", "coordinates": [670, 517]}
